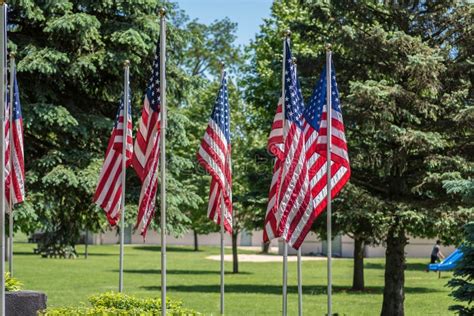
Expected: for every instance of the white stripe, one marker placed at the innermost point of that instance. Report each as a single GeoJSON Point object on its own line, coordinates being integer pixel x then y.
{"type": "Point", "coordinates": [212, 198]}
{"type": "Point", "coordinates": [334, 114]}
{"type": "Point", "coordinates": [294, 179]}
{"type": "Point", "coordinates": [212, 144]}
{"type": "Point", "coordinates": [269, 230]}
{"type": "Point", "coordinates": [108, 183]}
{"type": "Point", "coordinates": [117, 186]}
{"type": "Point", "coordinates": [338, 150]}
{"type": "Point", "coordinates": [212, 164]}
{"type": "Point", "coordinates": [219, 132]}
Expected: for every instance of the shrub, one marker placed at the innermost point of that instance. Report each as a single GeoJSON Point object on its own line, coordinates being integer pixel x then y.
{"type": "Point", "coordinates": [118, 304]}
{"type": "Point", "coordinates": [12, 284]}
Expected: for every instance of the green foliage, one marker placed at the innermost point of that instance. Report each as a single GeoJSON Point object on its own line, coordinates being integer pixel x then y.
{"type": "Point", "coordinates": [404, 76]}
{"type": "Point", "coordinates": [463, 277]}
{"type": "Point", "coordinates": [463, 187]}
{"type": "Point", "coordinates": [121, 304]}
{"type": "Point", "coordinates": [402, 102]}
{"type": "Point", "coordinates": [69, 61]}
{"type": "Point", "coordinates": [12, 284]}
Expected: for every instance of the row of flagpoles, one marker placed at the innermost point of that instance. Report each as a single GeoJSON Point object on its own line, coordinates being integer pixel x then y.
{"type": "Point", "coordinates": [307, 164]}
{"type": "Point", "coordinates": [311, 164]}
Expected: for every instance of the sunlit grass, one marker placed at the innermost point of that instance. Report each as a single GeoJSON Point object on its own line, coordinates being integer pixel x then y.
{"type": "Point", "coordinates": [195, 280]}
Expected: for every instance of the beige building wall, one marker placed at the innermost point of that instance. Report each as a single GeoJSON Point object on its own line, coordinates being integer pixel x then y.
{"type": "Point", "coordinates": [343, 246]}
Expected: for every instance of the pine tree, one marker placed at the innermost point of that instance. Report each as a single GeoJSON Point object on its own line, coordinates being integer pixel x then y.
{"type": "Point", "coordinates": [69, 57]}
{"type": "Point", "coordinates": [463, 277]}
{"type": "Point", "coordinates": [405, 82]}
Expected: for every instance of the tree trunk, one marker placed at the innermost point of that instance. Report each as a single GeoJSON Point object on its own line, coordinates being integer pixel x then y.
{"type": "Point", "coordinates": [86, 244]}
{"type": "Point", "coordinates": [265, 247]}
{"type": "Point", "coordinates": [358, 273]}
{"type": "Point", "coordinates": [196, 243]}
{"type": "Point", "coordinates": [393, 294]}
{"type": "Point", "coordinates": [235, 258]}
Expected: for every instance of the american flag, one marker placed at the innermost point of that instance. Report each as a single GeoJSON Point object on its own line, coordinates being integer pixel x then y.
{"type": "Point", "coordinates": [147, 148]}
{"type": "Point", "coordinates": [275, 147]}
{"type": "Point", "coordinates": [293, 196]}
{"type": "Point", "coordinates": [14, 163]}
{"type": "Point", "coordinates": [215, 156]}
{"type": "Point", "coordinates": [108, 194]}
{"type": "Point", "coordinates": [315, 129]}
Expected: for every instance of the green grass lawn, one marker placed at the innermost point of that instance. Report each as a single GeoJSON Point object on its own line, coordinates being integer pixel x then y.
{"type": "Point", "coordinates": [256, 290]}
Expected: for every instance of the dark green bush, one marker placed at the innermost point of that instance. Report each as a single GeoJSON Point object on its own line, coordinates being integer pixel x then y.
{"type": "Point", "coordinates": [117, 304]}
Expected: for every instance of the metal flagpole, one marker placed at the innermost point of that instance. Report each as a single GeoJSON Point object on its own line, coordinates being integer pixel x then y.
{"type": "Point", "coordinates": [300, 279]}
{"type": "Point", "coordinates": [222, 255]}
{"type": "Point", "coordinates": [285, 244]}
{"type": "Point", "coordinates": [3, 56]}
{"type": "Point", "coordinates": [126, 79]}
{"type": "Point", "coordinates": [223, 213]}
{"type": "Point", "coordinates": [285, 278]}
{"type": "Point", "coordinates": [300, 285]}
{"type": "Point", "coordinates": [10, 216]}
{"type": "Point", "coordinates": [163, 155]}
{"type": "Point", "coordinates": [328, 165]}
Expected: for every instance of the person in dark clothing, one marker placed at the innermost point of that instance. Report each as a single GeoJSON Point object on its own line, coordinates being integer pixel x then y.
{"type": "Point", "coordinates": [436, 254]}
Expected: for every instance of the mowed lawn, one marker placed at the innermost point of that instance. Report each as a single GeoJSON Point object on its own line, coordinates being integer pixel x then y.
{"type": "Point", "coordinates": [256, 290]}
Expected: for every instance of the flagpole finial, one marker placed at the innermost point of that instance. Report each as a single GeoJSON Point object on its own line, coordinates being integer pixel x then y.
{"type": "Point", "coordinates": [287, 33]}
{"type": "Point", "coordinates": [126, 63]}
{"type": "Point", "coordinates": [162, 11]}
{"type": "Point", "coordinates": [328, 47]}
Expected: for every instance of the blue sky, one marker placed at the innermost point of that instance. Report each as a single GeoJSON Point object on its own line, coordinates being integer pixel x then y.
{"type": "Point", "coordinates": [249, 14]}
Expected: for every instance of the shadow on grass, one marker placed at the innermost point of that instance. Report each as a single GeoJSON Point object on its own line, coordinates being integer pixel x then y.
{"type": "Point", "coordinates": [276, 289]}
{"type": "Point", "coordinates": [79, 254]}
{"type": "Point", "coordinates": [25, 253]}
{"type": "Point", "coordinates": [182, 272]}
{"type": "Point", "coordinates": [168, 249]}
{"type": "Point", "coordinates": [409, 266]}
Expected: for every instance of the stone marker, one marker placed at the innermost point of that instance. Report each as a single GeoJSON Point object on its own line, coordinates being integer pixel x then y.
{"type": "Point", "coordinates": [24, 303]}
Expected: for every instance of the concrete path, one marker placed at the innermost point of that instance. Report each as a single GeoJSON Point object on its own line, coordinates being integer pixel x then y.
{"type": "Point", "coordinates": [263, 258]}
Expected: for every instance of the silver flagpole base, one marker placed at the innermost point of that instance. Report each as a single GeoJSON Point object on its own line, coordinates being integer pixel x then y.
{"type": "Point", "coordinates": [285, 279]}
{"type": "Point", "coordinates": [222, 266]}
{"type": "Point", "coordinates": [300, 285]}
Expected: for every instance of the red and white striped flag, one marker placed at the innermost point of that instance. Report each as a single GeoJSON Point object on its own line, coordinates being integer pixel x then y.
{"type": "Point", "coordinates": [275, 147]}
{"type": "Point", "coordinates": [315, 128]}
{"type": "Point", "coordinates": [147, 148]}
{"type": "Point", "coordinates": [215, 156]}
{"type": "Point", "coordinates": [108, 194]}
{"type": "Point", "coordinates": [291, 187]}
{"type": "Point", "coordinates": [14, 157]}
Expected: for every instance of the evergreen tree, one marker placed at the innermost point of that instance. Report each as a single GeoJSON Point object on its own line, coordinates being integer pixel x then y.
{"type": "Point", "coordinates": [463, 277]}
{"type": "Point", "coordinates": [404, 78]}
{"type": "Point", "coordinates": [69, 57]}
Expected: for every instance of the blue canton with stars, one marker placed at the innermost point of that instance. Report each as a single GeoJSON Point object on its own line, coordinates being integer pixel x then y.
{"type": "Point", "coordinates": [294, 105]}
{"type": "Point", "coordinates": [153, 89]}
{"type": "Point", "coordinates": [221, 111]}
{"type": "Point", "coordinates": [314, 110]}
{"type": "Point", "coordinates": [16, 113]}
